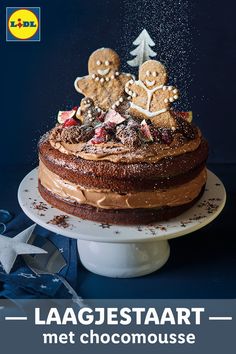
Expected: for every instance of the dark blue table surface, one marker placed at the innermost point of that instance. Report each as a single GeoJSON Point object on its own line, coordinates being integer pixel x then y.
{"type": "Point", "coordinates": [202, 265]}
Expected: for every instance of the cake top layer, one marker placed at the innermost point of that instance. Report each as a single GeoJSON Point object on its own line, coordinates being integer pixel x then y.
{"type": "Point", "coordinates": [122, 119]}
{"type": "Point", "coordinates": [118, 138]}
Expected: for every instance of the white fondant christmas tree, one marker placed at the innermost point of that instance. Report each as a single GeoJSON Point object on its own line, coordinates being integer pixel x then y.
{"type": "Point", "coordinates": [143, 52]}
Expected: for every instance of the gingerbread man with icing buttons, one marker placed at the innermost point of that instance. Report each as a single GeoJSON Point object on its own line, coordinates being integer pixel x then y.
{"type": "Point", "coordinates": [150, 97]}
{"type": "Point", "coordinates": [104, 84]}
{"type": "Point", "coordinates": [87, 108]}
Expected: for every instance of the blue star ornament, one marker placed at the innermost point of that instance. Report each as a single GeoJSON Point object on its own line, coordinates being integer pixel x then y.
{"type": "Point", "coordinates": [10, 248]}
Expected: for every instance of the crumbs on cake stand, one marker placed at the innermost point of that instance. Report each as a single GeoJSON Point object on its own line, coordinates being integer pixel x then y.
{"type": "Point", "coordinates": [183, 223]}
{"type": "Point", "coordinates": [41, 206]}
{"type": "Point", "coordinates": [158, 227]}
{"type": "Point", "coordinates": [60, 220]}
{"type": "Point", "coordinates": [210, 205]}
{"type": "Point", "coordinates": [153, 229]}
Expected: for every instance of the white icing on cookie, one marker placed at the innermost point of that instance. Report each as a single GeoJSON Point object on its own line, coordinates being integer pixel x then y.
{"type": "Point", "coordinates": [150, 83]}
{"type": "Point", "coordinates": [146, 112]}
{"type": "Point", "coordinates": [149, 92]}
{"type": "Point", "coordinates": [103, 72]}
{"type": "Point", "coordinates": [78, 79]}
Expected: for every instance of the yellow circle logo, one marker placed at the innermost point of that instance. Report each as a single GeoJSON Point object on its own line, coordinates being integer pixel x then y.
{"type": "Point", "coordinates": [23, 24]}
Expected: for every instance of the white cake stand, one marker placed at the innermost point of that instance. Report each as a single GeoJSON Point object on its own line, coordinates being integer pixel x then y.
{"type": "Point", "coordinates": [123, 251]}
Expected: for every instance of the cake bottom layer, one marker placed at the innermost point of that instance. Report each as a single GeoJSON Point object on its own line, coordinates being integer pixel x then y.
{"type": "Point", "coordinates": [116, 216]}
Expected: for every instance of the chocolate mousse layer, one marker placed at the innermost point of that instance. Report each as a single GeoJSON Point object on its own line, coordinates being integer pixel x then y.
{"type": "Point", "coordinates": [116, 216]}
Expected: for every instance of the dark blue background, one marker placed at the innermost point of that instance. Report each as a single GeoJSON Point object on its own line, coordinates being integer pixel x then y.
{"type": "Point", "coordinates": [37, 78]}
{"type": "Point", "coordinates": [37, 81]}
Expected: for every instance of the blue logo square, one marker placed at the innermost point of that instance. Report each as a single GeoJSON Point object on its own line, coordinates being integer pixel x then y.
{"type": "Point", "coordinates": [23, 24]}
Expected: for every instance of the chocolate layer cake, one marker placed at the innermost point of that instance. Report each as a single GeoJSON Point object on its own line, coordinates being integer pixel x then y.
{"type": "Point", "coordinates": [113, 167]}
{"type": "Point", "coordinates": [116, 183]}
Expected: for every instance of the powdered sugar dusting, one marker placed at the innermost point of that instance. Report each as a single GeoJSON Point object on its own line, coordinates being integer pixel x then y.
{"type": "Point", "coordinates": [168, 23]}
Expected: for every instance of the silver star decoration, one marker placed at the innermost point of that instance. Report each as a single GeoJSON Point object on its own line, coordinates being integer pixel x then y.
{"type": "Point", "coordinates": [10, 248]}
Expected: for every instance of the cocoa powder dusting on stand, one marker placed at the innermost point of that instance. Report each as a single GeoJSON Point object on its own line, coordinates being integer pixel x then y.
{"type": "Point", "coordinates": [60, 220]}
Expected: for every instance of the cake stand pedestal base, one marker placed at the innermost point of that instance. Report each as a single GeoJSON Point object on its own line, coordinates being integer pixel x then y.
{"type": "Point", "coordinates": [123, 260]}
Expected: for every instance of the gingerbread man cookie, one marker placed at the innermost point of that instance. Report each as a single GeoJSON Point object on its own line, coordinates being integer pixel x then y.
{"type": "Point", "coordinates": [104, 84]}
{"type": "Point", "coordinates": [150, 98]}
{"type": "Point", "coordinates": [87, 109]}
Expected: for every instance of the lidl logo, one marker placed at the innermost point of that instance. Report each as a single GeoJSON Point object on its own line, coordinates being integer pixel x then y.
{"type": "Point", "coordinates": [23, 24]}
